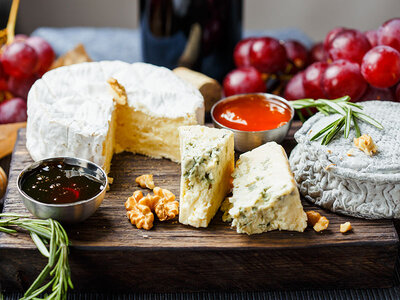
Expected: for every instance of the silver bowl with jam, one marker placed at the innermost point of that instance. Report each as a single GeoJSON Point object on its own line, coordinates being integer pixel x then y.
{"type": "Point", "coordinates": [269, 118]}
{"type": "Point", "coordinates": [66, 189]}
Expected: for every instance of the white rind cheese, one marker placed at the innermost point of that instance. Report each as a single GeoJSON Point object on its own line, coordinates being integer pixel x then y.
{"type": "Point", "coordinates": [207, 162]}
{"type": "Point", "coordinates": [72, 112]}
{"type": "Point", "coordinates": [342, 178]}
{"type": "Point", "coordinates": [265, 195]}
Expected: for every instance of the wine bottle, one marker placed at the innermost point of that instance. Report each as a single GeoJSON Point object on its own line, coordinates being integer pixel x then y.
{"type": "Point", "coordinates": [197, 34]}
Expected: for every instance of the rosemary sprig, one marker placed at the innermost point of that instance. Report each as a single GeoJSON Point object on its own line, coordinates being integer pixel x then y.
{"type": "Point", "coordinates": [56, 275]}
{"type": "Point", "coordinates": [341, 106]}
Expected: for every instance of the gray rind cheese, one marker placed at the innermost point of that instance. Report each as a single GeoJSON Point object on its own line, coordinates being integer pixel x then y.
{"type": "Point", "coordinates": [342, 178]}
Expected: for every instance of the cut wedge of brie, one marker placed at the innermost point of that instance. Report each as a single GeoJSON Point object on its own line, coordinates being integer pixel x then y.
{"type": "Point", "coordinates": [92, 110]}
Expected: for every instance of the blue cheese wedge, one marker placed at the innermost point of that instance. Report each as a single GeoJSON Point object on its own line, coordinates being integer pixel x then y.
{"type": "Point", "coordinates": [265, 195]}
{"type": "Point", "coordinates": [207, 162]}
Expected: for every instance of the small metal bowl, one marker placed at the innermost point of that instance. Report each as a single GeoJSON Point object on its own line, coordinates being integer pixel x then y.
{"type": "Point", "coordinates": [248, 140]}
{"type": "Point", "coordinates": [68, 212]}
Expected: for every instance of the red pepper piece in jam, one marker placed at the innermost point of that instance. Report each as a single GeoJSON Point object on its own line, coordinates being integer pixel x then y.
{"type": "Point", "coordinates": [60, 183]}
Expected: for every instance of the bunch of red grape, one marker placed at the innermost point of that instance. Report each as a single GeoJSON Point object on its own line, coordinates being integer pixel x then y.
{"type": "Point", "coordinates": [21, 63]}
{"type": "Point", "coordinates": [365, 66]}
{"type": "Point", "coordinates": [261, 62]}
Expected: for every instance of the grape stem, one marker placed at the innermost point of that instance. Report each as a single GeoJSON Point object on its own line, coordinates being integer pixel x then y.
{"type": "Point", "coordinates": [7, 35]}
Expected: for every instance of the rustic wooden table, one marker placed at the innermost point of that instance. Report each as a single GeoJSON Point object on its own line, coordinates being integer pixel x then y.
{"type": "Point", "coordinates": [107, 251]}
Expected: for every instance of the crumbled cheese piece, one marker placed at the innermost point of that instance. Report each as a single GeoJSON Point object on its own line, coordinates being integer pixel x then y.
{"type": "Point", "coordinates": [120, 96]}
{"type": "Point", "coordinates": [328, 167]}
{"type": "Point", "coordinates": [110, 181]}
{"type": "Point", "coordinates": [312, 217]}
{"type": "Point", "coordinates": [225, 207]}
{"type": "Point", "coordinates": [318, 222]}
{"type": "Point", "coordinates": [345, 227]}
{"type": "Point", "coordinates": [366, 144]}
{"type": "Point", "coordinates": [350, 152]}
{"type": "Point", "coordinates": [322, 224]}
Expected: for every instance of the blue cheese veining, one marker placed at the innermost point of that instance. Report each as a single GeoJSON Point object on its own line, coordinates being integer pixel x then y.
{"type": "Point", "coordinates": [265, 195]}
{"type": "Point", "coordinates": [207, 161]}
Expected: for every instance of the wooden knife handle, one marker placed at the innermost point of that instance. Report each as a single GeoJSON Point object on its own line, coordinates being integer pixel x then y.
{"type": "Point", "coordinates": [8, 136]}
{"type": "Point", "coordinates": [3, 182]}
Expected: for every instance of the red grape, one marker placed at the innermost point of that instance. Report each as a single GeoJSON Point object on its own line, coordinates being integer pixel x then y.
{"type": "Point", "coordinates": [19, 60]}
{"type": "Point", "coordinates": [397, 93]}
{"type": "Point", "coordinates": [312, 80]}
{"type": "Point", "coordinates": [20, 37]}
{"type": "Point", "coordinates": [342, 78]}
{"type": "Point", "coordinates": [44, 51]}
{"type": "Point", "coordinates": [381, 66]}
{"type": "Point", "coordinates": [331, 35]}
{"type": "Point", "coordinates": [244, 80]}
{"type": "Point", "coordinates": [21, 86]}
{"type": "Point", "coordinates": [349, 44]}
{"type": "Point", "coordinates": [241, 53]}
{"type": "Point", "coordinates": [3, 79]}
{"type": "Point", "coordinates": [372, 36]}
{"type": "Point", "coordinates": [268, 55]}
{"type": "Point", "coordinates": [389, 34]}
{"type": "Point", "coordinates": [13, 110]}
{"type": "Point", "coordinates": [294, 89]}
{"type": "Point", "coordinates": [296, 52]}
{"type": "Point", "coordinates": [373, 93]}
{"type": "Point", "coordinates": [317, 53]}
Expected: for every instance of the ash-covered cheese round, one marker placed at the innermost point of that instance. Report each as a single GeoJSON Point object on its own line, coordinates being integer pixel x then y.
{"type": "Point", "coordinates": [72, 112]}
{"type": "Point", "coordinates": [344, 179]}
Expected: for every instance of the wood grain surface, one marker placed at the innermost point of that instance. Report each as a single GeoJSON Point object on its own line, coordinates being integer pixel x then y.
{"type": "Point", "coordinates": [108, 253]}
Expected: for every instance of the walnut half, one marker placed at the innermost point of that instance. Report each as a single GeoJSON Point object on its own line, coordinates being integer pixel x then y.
{"type": "Point", "coordinates": [140, 209]}
{"type": "Point", "coordinates": [166, 207]}
{"type": "Point", "coordinates": [139, 214]}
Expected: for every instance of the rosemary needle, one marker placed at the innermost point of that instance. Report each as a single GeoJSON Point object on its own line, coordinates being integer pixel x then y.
{"type": "Point", "coordinates": [341, 106]}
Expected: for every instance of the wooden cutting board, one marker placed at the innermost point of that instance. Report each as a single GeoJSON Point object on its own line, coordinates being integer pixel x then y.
{"type": "Point", "coordinates": [108, 253]}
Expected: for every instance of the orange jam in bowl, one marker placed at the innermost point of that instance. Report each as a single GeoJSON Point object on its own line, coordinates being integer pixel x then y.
{"type": "Point", "coordinates": [252, 112]}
